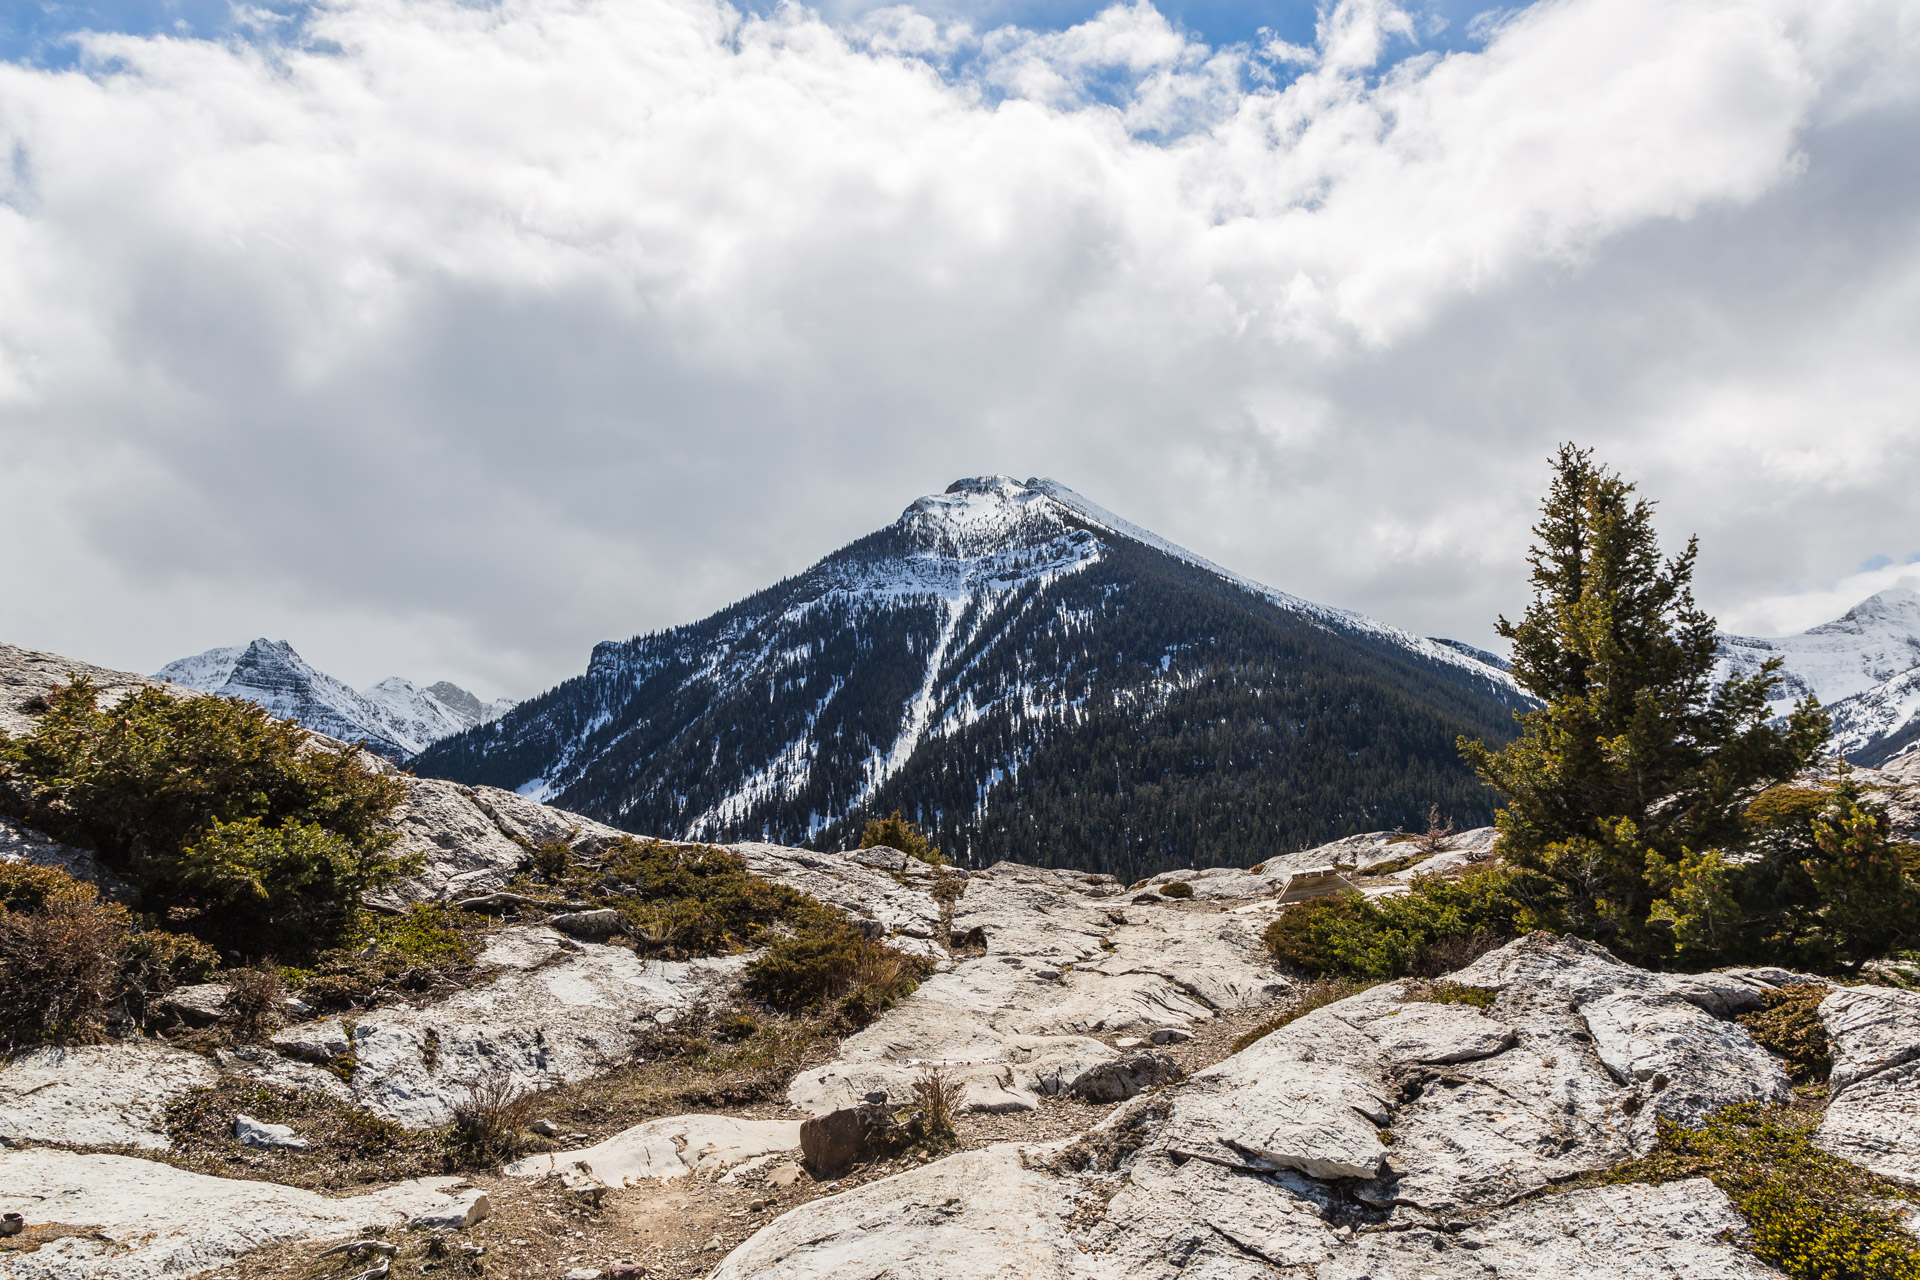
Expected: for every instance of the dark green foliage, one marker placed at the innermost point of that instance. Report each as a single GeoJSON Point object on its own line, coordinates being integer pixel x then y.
{"type": "Point", "coordinates": [552, 858]}
{"type": "Point", "coordinates": [1134, 717]}
{"type": "Point", "coordinates": [430, 947]}
{"type": "Point", "coordinates": [698, 900]}
{"type": "Point", "coordinates": [833, 967]}
{"type": "Point", "coordinates": [224, 817]}
{"type": "Point", "coordinates": [1637, 758]}
{"type": "Point", "coordinates": [1790, 1028]}
{"type": "Point", "coordinates": [1450, 993]}
{"type": "Point", "coordinates": [1416, 933]}
{"type": "Point", "coordinates": [896, 832]}
{"type": "Point", "coordinates": [1819, 884]}
{"type": "Point", "coordinates": [1807, 1212]}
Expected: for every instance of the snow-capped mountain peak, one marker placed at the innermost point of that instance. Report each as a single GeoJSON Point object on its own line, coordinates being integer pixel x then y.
{"type": "Point", "coordinates": [1864, 667]}
{"type": "Point", "coordinates": [960, 657]}
{"type": "Point", "coordinates": [394, 717]}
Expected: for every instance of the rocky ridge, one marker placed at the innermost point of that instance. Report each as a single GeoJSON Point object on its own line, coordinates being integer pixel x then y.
{"type": "Point", "coordinates": [1384, 1135]}
{"type": "Point", "coordinates": [395, 717]}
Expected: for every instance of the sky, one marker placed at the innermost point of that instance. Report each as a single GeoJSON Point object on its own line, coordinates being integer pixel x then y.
{"type": "Point", "coordinates": [445, 339]}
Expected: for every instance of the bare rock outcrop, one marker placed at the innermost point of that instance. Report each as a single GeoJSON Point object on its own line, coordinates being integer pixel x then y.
{"type": "Point", "coordinates": [1873, 1107]}
{"type": "Point", "coordinates": [558, 1011]}
{"type": "Point", "coordinates": [134, 1219]}
{"type": "Point", "coordinates": [97, 1094]}
{"type": "Point", "coordinates": [1061, 966]}
{"type": "Point", "coordinates": [669, 1148]}
{"type": "Point", "coordinates": [1383, 1111]}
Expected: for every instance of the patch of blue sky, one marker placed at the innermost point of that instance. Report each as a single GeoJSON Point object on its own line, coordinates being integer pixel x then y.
{"type": "Point", "coordinates": [42, 32]}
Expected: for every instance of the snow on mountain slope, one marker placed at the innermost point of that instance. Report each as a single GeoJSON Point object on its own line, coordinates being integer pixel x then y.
{"type": "Point", "coordinates": [936, 661]}
{"type": "Point", "coordinates": [1864, 667]}
{"type": "Point", "coordinates": [203, 671]}
{"type": "Point", "coordinates": [1447, 651]}
{"type": "Point", "coordinates": [1874, 641]}
{"type": "Point", "coordinates": [396, 717]}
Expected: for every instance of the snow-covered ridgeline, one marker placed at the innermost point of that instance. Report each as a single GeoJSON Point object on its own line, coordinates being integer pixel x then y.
{"type": "Point", "coordinates": [395, 717]}
{"type": "Point", "coordinates": [1325, 615]}
{"type": "Point", "coordinates": [1864, 667]}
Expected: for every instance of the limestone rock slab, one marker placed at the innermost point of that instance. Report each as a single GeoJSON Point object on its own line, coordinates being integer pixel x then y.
{"type": "Point", "coordinates": [559, 1011]}
{"type": "Point", "coordinates": [1636, 1232]}
{"type": "Point", "coordinates": [671, 1147]}
{"type": "Point", "coordinates": [972, 1216]}
{"type": "Point", "coordinates": [97, 1095]}
{"type": "Point", "coordinates": [1873, 1108]}
{"type": "Point", "coordinates": [136, 1219]}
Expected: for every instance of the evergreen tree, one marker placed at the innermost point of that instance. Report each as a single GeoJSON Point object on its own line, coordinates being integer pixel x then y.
{"type": "Point", "coordinates": [1637, 759]}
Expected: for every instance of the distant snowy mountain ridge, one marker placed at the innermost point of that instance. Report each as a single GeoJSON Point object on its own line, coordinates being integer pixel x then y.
{"type": "Point", "coordinates": [1863, 666]}
{"type": "Point", "coordinates": [396, 717]}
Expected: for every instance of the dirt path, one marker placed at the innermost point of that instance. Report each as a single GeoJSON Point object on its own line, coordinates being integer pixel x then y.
{"type": "Point", "coordinates": [679, 1230]}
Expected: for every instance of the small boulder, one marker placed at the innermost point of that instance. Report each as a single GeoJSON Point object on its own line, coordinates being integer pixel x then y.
{"type": "Point", "coordinates": [269, 1137]}
{"type": "Point", "coordinates": [783, 1175]}
{"type": "Point", "coordinates": [1171, 1035]}
{"type": "Point", "coordinates": [603, 923]}
{"type": "Point", "coordinates": [199, 1005]}
{"type": "Point", "coordinates": [1122, 1078]}
{"type": "Point", "coordinates": [11, 1224]}
{"type": "Point", "coordinates": [833, 1143]}
{"type": "Point", "coordinates": [545, 1128]}
{"type": "Point", "coordinates": [463, 1211]}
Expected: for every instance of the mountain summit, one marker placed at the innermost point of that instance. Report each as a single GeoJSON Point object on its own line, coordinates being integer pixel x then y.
{"type": "Point", "coordinates": [396, 717]}
{"type": "Point", "coordinates": [1864, 666]}
{"type": "Point", "coordinates": [1028, 676]}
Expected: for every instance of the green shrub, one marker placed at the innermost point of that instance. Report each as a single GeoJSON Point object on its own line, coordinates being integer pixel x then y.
{"type": "Point", "coordinates": [1808, 1213]}
{"type": "Point", "coordinates": [1789, 1026]}
{"type": "Point", "coordinates": [226, 819]}
{"type": "Point", "coordinates": [1176, 889]}
{"type": "Point", "coordinates": [695, 900]}
{"type": "Point", "coordinates": [896, 832]}
{"type": "Point", "coordinates": [833, 967]}
{"type": "Point", "coordinates": [552, 859]}
{"type": "Point", "coordinates": [428, 946]}
{"type": "Point", "coordinates": [1450, 993]}
{"type": "Point", "coordinates": [1432, 928]}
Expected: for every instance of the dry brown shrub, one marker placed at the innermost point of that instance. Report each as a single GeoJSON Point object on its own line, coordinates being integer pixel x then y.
{"type": "Point", "coordinates": [936, 1096]}
{"type": "Point", "coordinates": [254, 1002]}
{"type": "Point", "coordinates": [60, 964]}
{"type": "Point", "coordinates": [489, 1124]}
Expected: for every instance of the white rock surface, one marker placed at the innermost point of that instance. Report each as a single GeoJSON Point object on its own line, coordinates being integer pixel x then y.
{"type": "Point", "coordinates": [671, 1147]}
{"type": "Point", "coordinates": [461, 1210]}
{"type": "Point", "coordinates": [134, 1219]}
{"type": "Point", "coordinates": [1873, 1107]}
{"type": "Point", "coordinates": [269, 1137]}
{"type": "Point", "coordinates": [559, 1011]}
{"type": "Point", "coordinates": [974, 1215]}
{"type": "Point", "coordinates": [866, 883]}
{"type": "Point", "coordinates": [20, 843]}
{"type": "Point", "coordinates": [1065, 963]}
{"type": "Point", "coordinates": [97, 1095]}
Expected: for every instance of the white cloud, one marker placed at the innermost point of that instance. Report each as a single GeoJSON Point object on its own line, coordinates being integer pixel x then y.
{"type": "Point", "coordinates": [452, 338]}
